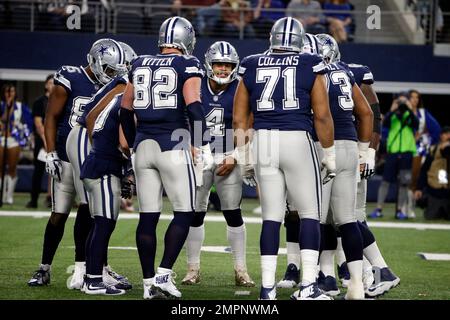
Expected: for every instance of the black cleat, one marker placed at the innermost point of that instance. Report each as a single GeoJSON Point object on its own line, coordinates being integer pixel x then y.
{"type": "Point", "coordinates": [40, 278]}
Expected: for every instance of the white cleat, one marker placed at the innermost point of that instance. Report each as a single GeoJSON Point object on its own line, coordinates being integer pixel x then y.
{"type": "Point", "coordinates": [150, 293]}
{"type": "Point", "coordinates": [164, 284]}
{"type": "Point", "coordinates": [76, 280]}
{"type": "Point", "coordinates": [367, 278]}
{"type": "Point", "coordinates": [310, 292]}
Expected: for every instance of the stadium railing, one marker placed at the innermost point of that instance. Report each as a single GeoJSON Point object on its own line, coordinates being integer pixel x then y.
{"type": "Point", "coordinates": [138, 17]}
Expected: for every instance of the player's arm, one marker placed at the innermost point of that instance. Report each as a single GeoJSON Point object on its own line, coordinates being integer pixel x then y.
{"type": "Point", "coordinates": [242, 116]}
{"type": "Point", "coordinates": [56, 102]}
{"type": "Point", "coordinates": [323, 121]}
{"type": "Point", "coordinates": [372, 98]}
{"type": "Point", "coordinates": [195, 110]}
{"type": "Point", "coordinates": [127, 114]}
{"type": "Point", "coordinates": [100, 106]}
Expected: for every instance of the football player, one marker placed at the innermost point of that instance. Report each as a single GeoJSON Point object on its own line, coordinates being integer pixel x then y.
{"type": "Point", "coordinates": [378, 278]}
{"type": "Point", "coordinates": [78, 147]}
{"type": "Point", "coordinates": [164, 95]}
{"type": "Point", "coordinates": [218, 88]}
{"type": "Point", "coordinates": [281, 89]}
{"type": "Point", "coordinates": [346, 100]}
{"type": "Point", "coordinates": [74, 87]}
{"type": "Point", "coordinates": [101, 173]}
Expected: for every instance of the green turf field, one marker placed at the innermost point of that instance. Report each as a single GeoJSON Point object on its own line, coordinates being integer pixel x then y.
{"type": "Point", "coordinates": [21, 245]}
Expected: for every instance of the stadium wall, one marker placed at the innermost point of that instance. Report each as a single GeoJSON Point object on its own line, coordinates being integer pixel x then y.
{"type": "Point", "coordinates": [393, 64]}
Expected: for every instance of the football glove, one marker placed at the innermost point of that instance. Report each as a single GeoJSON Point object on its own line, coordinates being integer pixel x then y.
{"type": "Point", "coordinates": [53, 165]}
{"type": "Point", "coordinates": [369, 165]}
{"type": "Point", "coordinates": [248, 175]}
{"type": "Point", "coordinates": [204, 157]}
{"type": "Point", "coordinates": [127, 185]}
{"type": "Point", "coordinates": [329, 163]}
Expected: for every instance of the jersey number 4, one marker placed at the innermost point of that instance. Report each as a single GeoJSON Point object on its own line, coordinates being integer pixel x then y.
{"type": "Point", "coordinates": [155, 88]}
{"type": "Point", "coordinates": [271, 76]}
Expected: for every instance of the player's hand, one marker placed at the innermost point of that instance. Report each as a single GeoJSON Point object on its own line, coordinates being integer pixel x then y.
{"type": "Point", "coordinates": [53, 165]}
{"type": "Point", "coordinates": [368, 168]}
{"type": "Point", "coordinates": [248, 175]}
{"type": "Point", "coordinates": [226, 166]}
{"type": "Point", "coordinates": [203, 155]}
{"type": "Point", "coordinates": [418, 194]}
{"type": "Point", "coordinates": [329, 164]}
{"type": "Point", "coordinates": [127, 185]}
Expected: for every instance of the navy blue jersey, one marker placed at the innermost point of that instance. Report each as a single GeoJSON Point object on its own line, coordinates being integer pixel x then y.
{"type": "Point", "coordinates": [219, 115]}
{"type": "Point", "coordinates": [340, 83]}
{"type": "Point", "coordinates": [279, 85]}
{"type": "Point", "coordinates": [361, 74]}
{"type": "Point", "coordinates": [158, 96]}
{"type": "Point", "coordinates": [99, 95]}
{"type": "Point", "coordinates": [80, 89]}
{"type": "Point", "coordinates": [105, 156]}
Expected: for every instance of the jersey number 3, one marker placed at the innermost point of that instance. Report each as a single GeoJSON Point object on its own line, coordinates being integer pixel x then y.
{"type": "Point", "coordinates": [155, 88]}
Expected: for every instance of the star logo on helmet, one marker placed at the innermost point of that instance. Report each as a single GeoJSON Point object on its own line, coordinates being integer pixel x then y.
{"type": "Point", "coordinates": [189, 29]}
{"type": "Point", "coordinates": [102, 50]}
{"type": "Point", "coordinates": [328, 42]}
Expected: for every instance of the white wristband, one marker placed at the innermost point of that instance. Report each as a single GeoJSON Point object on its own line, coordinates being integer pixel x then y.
{"type": "Point", "coordinates": [329, 152]}
{"type": "Point", "coordinates": [371, 153]}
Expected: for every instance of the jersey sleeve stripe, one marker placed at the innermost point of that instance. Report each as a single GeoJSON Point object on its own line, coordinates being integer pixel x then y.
{"type": "Point", "coordinates": [64, 82]}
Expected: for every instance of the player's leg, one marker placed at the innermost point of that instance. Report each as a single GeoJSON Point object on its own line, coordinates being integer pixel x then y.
{"type": "Point", "coordinates": [63, 194]}
{"type": "Point", "coordinates": [149, 193]}
{"type": "Point", "coordinates": [343, 202]}
{"type": "Point", "coordinates": [177, 174]}
{"type": "Point", "coordinates": [328, 242]}
{"type": "Point", "coordinates": [272, 189]}
{"type": "Point", "coordinates": [105, 203]}
{"type": "Point", "coordinates": [229, 189]}
{"type": "Point", "coordinates": [302, 173]}
{"type": "Point", "coordinates": [12, 158]}
{"type": "Point", "coordinates": [389, 176]}
{"type": "Point", "coordinates": [77, 148]}
{"type": "Point", "coordinates": [196, 236]}
{"type": "Point", "coordinates": [291, 277]}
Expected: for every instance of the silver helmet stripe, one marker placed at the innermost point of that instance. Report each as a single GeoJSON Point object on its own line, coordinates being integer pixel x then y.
{"type": "Point", "coordinates": [121, 52]}
{"type": "Point", "coordinates": [287, 27]}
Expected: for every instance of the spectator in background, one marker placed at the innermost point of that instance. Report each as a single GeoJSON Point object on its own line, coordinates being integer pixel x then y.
{"type": "Point", "coordinates": [38, 112]}
{"type": "Point", "coordinates": [189, 13]}
{"type": "Point", "coordinates": [234, 18]}
{"type": "Point", "coordinates": [426, 135]}
{"type": "Point", "coordinates": [433, 181]}
{"type": "Point", "coordinates": [309, 12]}
{"type": "Point", "coordinates": [265, 19]}
{"type": "Point", "coordinates": [14, 132]}
{"type": "Point", "coordinates": [339, 21]}
{"type": "Point", "coordinates": [401, 147]}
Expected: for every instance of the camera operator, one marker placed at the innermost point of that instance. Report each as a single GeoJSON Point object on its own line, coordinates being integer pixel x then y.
{"type": "Point", "coordinates": [401, 147]}
{"type": "Point", "coordinates": [432, 186]}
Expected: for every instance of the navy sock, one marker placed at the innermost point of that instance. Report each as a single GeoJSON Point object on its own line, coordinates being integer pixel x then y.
{"type": "Point", "coordinates": [105, 255]}
{"type": "Point", "coordinates": [367, 235]}
{"type": "Point", "coordinates": [309, 234]}
{"type": "Point", "coordinates": [88, 247]}
{"type": "Point", "coordinates": [146, 242]}
{"type": "Point", "coordinates": [103, 227]}
{"type": "Point", "coordinates": [198, 219]}
{"type": "Point", "coordinates": [175, 237]}
{"type": "Point", "coordinates": [352, 242]}
{"type": "Point", "coordinates": [291, 223]}
{"type": "Point", "coordinates": [269, 241]}
{"type": "Point", "coordinates": [233, 217]}
{"type": "Point", "coordinates": [81, 229]}
{"type": "Point", "coordinates": [328, 239]}
{"type": "Point", "coordinates": [54, 232]}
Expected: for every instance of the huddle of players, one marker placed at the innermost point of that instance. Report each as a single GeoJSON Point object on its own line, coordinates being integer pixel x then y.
{"type": "Point", "coordinates": [170, 83]}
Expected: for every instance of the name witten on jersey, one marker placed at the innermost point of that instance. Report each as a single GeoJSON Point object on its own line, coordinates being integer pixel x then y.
{"type": "Point", "coordinates": [219, 115]}
{"type": "Point", "coordinates": [158, 96]}
{"type": "Point", "coordinates": [80, 89]}
{"type": "Point", "coordinates": [279, 85]}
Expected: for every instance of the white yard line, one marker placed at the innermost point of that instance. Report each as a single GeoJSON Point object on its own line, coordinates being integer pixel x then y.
{"type": "Point", "coordinates": [135, 216]}
{"type": "Point", "coordinates": [434, 256]}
